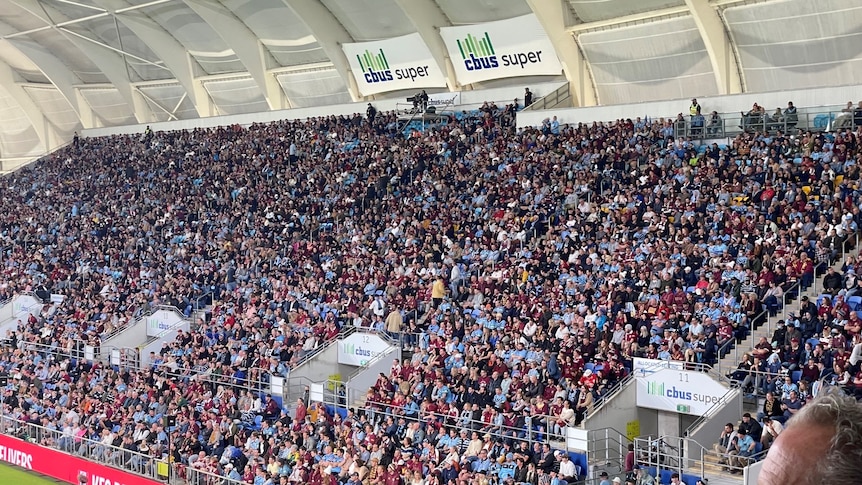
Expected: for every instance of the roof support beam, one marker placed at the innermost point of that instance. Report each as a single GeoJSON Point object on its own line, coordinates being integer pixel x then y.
{"type": "Point", "coordinates": [47, 134]}
{"type": "Point", "coordinates": [626, 19]}
{"type": "Point", "coordinates": [244, 43]}
{"type": "Point", "coordinates": [56, 72]}
{"type": "Point", "coordinates": [164, 45]}
{"type": "Point", "coordinates": [718, 46]}
{"type": "Point", "coordinates": [552, 17]}
{"type": "Point", "coordinates": [330, 34]}
{"type": "Point", "coordinates": [112, 65]}
{"type": "Point", "coordinates": [427, 17]}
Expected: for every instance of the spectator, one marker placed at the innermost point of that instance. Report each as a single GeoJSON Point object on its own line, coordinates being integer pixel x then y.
{"type": "Point", "coordinates": [791, 118]}
{"type": "Point", "coordinates": [825, 432]}
{"type": "Point", "coordinates": [771, 430]}
{"type": "Point", "coordinates": [694, 109]}
{"type": "Point", "coordinates": [725, 439]}
{"type": "Point", "coordinates": [715, 125]}
{"type": "Point", "coordinates": [739, 452]}
{"type": "Point", "coordinates": [528, 97]}
{"type": "Point", "coordinates": [845, 119]}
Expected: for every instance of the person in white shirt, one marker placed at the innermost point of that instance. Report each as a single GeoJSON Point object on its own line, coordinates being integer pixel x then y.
{"type": "Point", "coordinates": [771, 430]}
{"type": "Point", "coordinates": [568, 472]}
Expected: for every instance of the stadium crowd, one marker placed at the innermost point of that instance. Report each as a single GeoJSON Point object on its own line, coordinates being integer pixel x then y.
{"type": "Point", "coordinates": [523, 268]}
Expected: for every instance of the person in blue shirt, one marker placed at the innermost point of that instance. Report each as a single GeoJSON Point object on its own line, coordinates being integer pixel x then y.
{"type": "Point", "coordinates": [482, 462]}
{"type": "Point", "coordinates": [742, 448]}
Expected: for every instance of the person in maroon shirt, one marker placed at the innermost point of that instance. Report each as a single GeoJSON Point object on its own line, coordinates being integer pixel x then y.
{"type": "Point", "coordinates": [391, 477]}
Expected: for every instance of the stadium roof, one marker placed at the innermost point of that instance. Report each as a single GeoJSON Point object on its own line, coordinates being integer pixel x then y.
{"type": "Point", "coordinates": [72, 64]}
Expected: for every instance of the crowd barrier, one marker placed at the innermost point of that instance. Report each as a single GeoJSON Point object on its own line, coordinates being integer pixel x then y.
{"type": "Point", "coordinates": [62, 466]}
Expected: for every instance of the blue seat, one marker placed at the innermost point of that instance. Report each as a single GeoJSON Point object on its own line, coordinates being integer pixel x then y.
{"type": "Point", "coordinates": [813, 342]}
{"type": "Point", "coordinates": [589, 366]}
{"type": "Point", "coordinates": [821, 121]}
{"type": "Point", "coordinates": [258, 420]}
{"type": "Point", "coordinates": [855, 303]}
{"type": "Point", "coordinates": [795, 376]}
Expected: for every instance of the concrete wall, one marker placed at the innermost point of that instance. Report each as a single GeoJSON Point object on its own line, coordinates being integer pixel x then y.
{"type": "Point", "coordinates": [131, 337]}
{"type": "Point", "coordinates": [361, 381]}
{"type": "Point", "coordinates": [18, 309]}
{"type": "Point", "coordinates": [831, 96]}
{"type": "Point", "coordinates": [621, 410]}
{"type": "Point", "coordinates": [322, 366]}
{"type": "Point", "coordinates": [156, 345]}
{"type": "Point", "coordinates": [469, 100]}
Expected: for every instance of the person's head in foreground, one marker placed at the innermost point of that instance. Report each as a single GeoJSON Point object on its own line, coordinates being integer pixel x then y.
{"type": "Point", "coordinates": [821, 444]}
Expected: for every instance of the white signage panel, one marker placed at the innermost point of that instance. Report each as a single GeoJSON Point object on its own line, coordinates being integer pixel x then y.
{"type": "Point", "coordinates": [389, 65]}
{"type": "Point", "coordinates": [642, 367]}
{"type": "Point", "coordinates": [506, 48]}
{"type": "Point", "coordinates": [359, 348]}
{"type": "Point", "coordinates": [161, 321]}
{"type": "Point", "coordinates": [683, 391]}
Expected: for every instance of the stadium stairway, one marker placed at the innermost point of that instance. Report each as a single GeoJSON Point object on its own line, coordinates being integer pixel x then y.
{"type": "Point", "coordinates": [728, 363]}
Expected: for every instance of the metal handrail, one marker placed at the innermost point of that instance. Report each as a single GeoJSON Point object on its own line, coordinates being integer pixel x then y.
{"type": "Point", "coordinates": [708, 415]}
{"type": "Point", "coordinates": [551, 100]}
{"type": "Point", "coordinates": [613, 391]}
{"type": "Point", "coordinates": [376, 407]}
{"type": "Point", "coordinates": [733, 123]}
{"type": "Point", "coordinates": [120, 458]}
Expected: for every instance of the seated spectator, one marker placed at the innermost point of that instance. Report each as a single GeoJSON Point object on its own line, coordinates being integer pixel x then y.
{"type": "Point", "coordinates": [715, 125]}
{"type": "Point", "coordinates": [725, 439]}
{"type": "Point", "coordinates": [771, 430]}
{"type": "Point", "coordinates": [739, 452]}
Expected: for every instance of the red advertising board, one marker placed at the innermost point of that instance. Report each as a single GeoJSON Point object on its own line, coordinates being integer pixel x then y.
{"type": "Point", "coordinates": [62, 466]}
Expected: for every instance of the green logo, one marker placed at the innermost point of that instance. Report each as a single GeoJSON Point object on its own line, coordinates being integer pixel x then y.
{"type": "Point", "coordinates": [655, 388]}
{"type": "Point", "coordinates": [373, 62]}
{"type": "Point", "coordinates": [475, 47]}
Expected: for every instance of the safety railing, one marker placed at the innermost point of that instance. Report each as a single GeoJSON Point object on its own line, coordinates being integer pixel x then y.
{"type": "Point", "coordinates": [728, 125]}
{"type": "Point", "coordinates": [764, 381]}
{"type": "Point", "coordinates": [53, 353]}
{"type": "Point", "coordinates": [732, 347]}
{"type": "Point", "coordinates": [537, 427]}
{"type": "Point", "coordinates": [609, 395]}
{"type": "Point", "coordinates": [607, 447]}
{"type": "Point", "coordinates": [146, 465]}
{"type": "Point", "coordinates": [554, 99]}
{"type": "Point", "coordinates": [711, 412]}
{"type": "Point", "coordinates": [140, 314]}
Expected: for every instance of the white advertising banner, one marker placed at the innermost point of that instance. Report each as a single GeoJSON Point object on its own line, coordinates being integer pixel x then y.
{"type": "Point", "coordinates": [392, 64]}
{"type": "Point", "coordinates": [683, 391]}
{"type": "Point", "coordinates": [161, 321]}
{"type": "Point", "coordinates": [506, 48]}
{"type": "Point", "coordinates": [359, 348]}
{"type": "Point", "coordinates": [642, 367]}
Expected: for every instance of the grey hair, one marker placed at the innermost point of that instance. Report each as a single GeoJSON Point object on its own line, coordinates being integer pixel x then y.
{"type": "Point", "coordinates": [842, 463]}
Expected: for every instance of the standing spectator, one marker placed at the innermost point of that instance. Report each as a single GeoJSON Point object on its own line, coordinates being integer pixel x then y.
{"type": "Point", "coordinates": [790, 115]}
{"type": "Point", "coordinates": [528, 97]}
{"type": "Point", "coordinates": [694, 108]}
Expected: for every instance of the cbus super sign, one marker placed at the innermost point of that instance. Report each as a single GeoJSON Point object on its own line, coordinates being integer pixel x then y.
{"type": "Point", "coordinates": [375, 69]}
{"type": "Point", "coordinates": [479, 54]}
